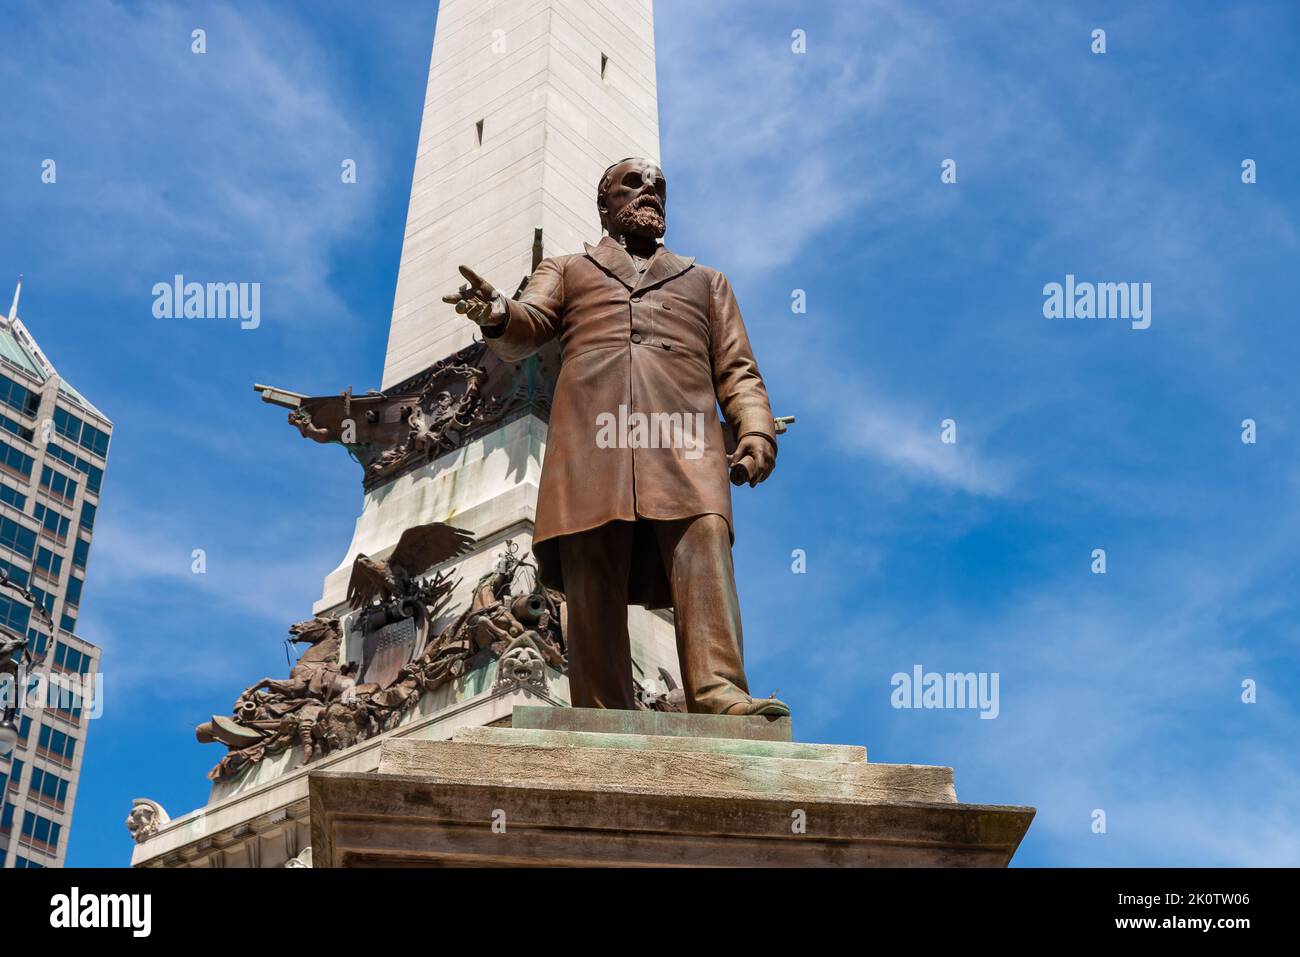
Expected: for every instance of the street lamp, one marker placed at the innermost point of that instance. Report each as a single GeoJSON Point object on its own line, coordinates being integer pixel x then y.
{"type": "Point", "coordinates": [14, 655]}
{"type": "Point", "coordinates": [8, 731]}
{"type": "Point", "coordinates": [9, 702]}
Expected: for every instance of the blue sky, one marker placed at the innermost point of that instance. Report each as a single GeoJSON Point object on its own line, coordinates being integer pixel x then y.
{"type": "Point", "coordinates": [1119, 692]}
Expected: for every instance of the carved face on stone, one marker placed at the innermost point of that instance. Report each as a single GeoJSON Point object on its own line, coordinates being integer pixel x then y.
{"type": "Point", "coordinates": [633, 199]}
{"type": "Point", "coordinates": [523, 664]}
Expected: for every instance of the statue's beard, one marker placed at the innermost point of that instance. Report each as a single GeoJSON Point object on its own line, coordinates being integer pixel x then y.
{"type": "Point", "coordinates": [641, 217]}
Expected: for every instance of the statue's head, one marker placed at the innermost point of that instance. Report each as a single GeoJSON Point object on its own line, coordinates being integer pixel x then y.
{"type": "Point", "coordinates": [632, 198]}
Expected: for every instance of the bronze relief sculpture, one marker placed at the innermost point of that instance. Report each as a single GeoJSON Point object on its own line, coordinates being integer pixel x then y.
{"type": "Point", "coordinates": [435, 412]}
{"type": "Point", "coordinates": [652, 345]}
{"type": "Point", "coordinates": [325, 705]}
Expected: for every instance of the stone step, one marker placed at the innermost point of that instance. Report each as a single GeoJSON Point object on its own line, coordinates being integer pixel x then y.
{"type": "Point", "coordinates": [539, 738]}
{"type": "Point", "coordinates": [666, 773]}
{"type": "Point", "coordinates": [659, 723]}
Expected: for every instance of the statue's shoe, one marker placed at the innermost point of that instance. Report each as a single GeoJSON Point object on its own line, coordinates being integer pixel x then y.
{"type": "Point", "coordinates": [765, 707]}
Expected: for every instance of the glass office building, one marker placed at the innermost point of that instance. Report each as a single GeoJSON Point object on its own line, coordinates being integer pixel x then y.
{"type": "Point", "coordinates": [53, 452]}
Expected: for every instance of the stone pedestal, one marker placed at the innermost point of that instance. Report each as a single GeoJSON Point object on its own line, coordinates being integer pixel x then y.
{"type": "Point", "coordinates": [576, 787]}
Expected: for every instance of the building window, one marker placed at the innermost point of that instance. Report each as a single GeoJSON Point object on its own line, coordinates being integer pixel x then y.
{"type": "Point", "coordinates": [44, 598]}
{"type": "Point", "coordinates": [70, 659]}
{"type": "Point", "coordinates": [56, 483]}
{"type": "Point", "coordinates": [41, 830]}
{"type": "Point", "coordinates": [37, 642]}
{"type": "Point", "coordinates": [51, 521]}
{"type": "Point", "coordinates": [49, 563]}
{"type": "Point", "coordinates": [91, 439]}
{"type": "Point", "coordinates": [48, 785]}
{"type": "Point", "coordinates": [88, 516]}
{"type": "Point", "coordinates": [15, 778]}
{"type": "Point", "coordinates": [14, 615]}
{"type": "Point", "coordinates": [94, 441]}
{"type": "Point", "coordinates": [13, 497]}
{"type": "Point", "coordinates": [17, 428]}
{"type": "Point", "coordinates": [19, 397]}
{"type": "Point", "coordinates": [17, 538]}
{"type": "Point", "coordinates": [15, 462]}
{"type": "Point", "coordinates": [67, 424]}
{"type": "Point", "coordinates": [94, 474]}
{"type": "Point", "coordinates": [68, 623]}
{"type": "Point", "coordinates": [80, 552]}
{"type": "Point", "coordinates": [69, 705]}
{"type": "Point", "coordinates": [16, 572]}
{"type": "Point", "coordinates": [61, 746]}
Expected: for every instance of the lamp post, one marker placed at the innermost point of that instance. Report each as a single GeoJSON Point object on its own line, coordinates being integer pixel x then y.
{"type": "Point", "coordinates": [9, 729]}
{"type": "Point", "coordinates": [15, 656]}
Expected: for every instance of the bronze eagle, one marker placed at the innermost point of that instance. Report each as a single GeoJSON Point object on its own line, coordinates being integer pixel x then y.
{"type": "Point", "coordinates": [419, 548]}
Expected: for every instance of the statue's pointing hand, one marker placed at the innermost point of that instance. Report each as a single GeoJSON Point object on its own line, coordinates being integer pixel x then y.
{"type": "Point", "coordinates": [478, 299]}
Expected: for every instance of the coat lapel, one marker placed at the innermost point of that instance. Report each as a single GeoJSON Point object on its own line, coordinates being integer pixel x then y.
{"type": "Point", "coordinates": [613, 258]}
{"type": "Point", "coordinates": [665, 265]}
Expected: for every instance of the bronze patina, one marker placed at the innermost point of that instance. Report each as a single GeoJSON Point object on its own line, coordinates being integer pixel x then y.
{"type": "Point", "coordinates": [634, 505]}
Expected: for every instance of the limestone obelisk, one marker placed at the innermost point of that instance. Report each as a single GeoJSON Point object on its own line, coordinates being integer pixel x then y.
{"type": "Point", "coordinates": [528, 102]}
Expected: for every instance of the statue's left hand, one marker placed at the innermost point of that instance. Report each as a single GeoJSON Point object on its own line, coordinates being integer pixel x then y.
{"type": "Point", "coordinates": [761, 453]}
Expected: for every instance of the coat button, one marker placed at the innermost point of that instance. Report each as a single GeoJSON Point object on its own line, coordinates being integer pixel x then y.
{"type": "Point", "coordinates": [636, 337]}
{"type": "Point", "coordinates": [636, 298]}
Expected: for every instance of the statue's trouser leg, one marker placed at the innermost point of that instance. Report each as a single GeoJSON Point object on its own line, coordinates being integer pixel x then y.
{"type": "Point", "coordinates": [596, 565]}
{"type": "Point", "coordinates": [697, 557]}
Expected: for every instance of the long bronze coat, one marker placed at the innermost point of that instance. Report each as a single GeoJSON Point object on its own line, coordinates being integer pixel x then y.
{"type": "Point", "coordinates": [669, 340]}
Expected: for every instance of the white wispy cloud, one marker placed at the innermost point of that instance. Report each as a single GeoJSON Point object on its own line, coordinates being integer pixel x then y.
{"type": "Point", "coordinates": [197, 628]}
{"type": "Point", "coordinates": [226, 162]}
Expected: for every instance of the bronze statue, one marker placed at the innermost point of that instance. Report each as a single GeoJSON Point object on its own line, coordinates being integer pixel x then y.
{"type": "Point", "coordinates": [646, 335]}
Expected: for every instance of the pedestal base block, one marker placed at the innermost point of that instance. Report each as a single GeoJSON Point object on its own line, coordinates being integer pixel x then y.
{"type": "Point", "coordinates": [555, 796]}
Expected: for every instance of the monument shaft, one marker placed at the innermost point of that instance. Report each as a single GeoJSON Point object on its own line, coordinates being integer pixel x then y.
{"type": "Point", "coordinates": [527, 102]}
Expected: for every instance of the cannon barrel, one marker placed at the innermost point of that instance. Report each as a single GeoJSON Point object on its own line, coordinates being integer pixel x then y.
{"type": "Point", "coordinates": [528, 608]}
